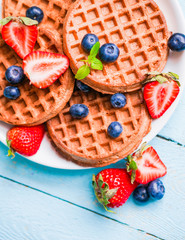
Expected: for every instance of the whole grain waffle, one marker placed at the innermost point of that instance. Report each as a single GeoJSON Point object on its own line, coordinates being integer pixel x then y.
{"type": "Point", "coordinates": [137, 27]}
{"type": "Point", "coordinates": [54, 10]}
{"type": "Point", "coordinates": [86, 141]}
{"type": "Point", "coordinates": [34, 106]}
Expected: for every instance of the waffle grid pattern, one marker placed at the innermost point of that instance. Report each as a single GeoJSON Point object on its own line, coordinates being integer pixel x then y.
{"type": "Point", "coordinates": [34, 105]}
{"type": "Point", "coordinates": [89, 136]}
{"type": "Point", "coordinates": [137, 27]}
{"type": "Point", "coordinates": [54, 10]}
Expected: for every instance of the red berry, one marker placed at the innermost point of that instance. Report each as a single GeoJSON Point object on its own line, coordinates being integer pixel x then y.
{"type": "Point", "coordinates": [148, 166]}
{"type": "Point", "coordinates": [44, 68]}
{"type": "Point", "coordinates": [113, 187]}
{"type": "Point", "coordinates": [20, 37]}
{"type": "Point", "coordinates": [160, 96]}
{"type": "Point", "coordinates": [25, 140]}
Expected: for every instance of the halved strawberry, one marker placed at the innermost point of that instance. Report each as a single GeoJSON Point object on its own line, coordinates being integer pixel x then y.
{"type": "Point", "coordinates": [159, 95]}
{"type": "Point", "coordinates": [20, 37]}
{"type": "Point", "coordinates": [44, 68]}
{"type": "Point", "coordinates": [145, 165]}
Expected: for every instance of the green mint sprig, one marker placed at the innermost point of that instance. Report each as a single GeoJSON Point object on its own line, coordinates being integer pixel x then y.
{"type": "Point", "coordinates": [91, 63]}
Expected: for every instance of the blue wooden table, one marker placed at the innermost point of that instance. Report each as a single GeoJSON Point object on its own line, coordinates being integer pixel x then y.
{"type": "Point", "coordinates": [40, 203]}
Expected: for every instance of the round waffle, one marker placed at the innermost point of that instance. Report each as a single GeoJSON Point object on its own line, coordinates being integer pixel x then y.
{"type": "Point", "coordinates": [34, 106]}
{"type": "Point", "coordinates": [137, 27]}
{"type": "Point", "coordinates": [86, 141]}
{"type": "Point", "coordinates": [54, 10]}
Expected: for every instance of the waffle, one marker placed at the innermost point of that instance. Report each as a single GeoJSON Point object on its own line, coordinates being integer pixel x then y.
{"type": "Point", "coordinates": [34, 106]}
{"type": "Point", "coordinates": [54, 10]}
{"type": "Point", "coordinates": [137, 27]}
{"type": "Point", "coordinates": [86, 141]}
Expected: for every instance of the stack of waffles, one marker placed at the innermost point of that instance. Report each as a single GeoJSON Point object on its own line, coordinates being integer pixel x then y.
{"type": "Point", "coordinates": [137, 27]}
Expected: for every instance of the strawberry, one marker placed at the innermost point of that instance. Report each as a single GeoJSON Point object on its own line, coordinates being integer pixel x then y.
{"type": "Point", "coordinates": [44, 68]}
{"type": "Point", "coordinates": [113, 187]}
{"type": "Point", "coordinates": [145, 165]}
{"type": "Point", "coordinates": [160, 92]}
{"type": "Point", "coordinates": [19, 36]}
{"type": "Point", "coordinates": [25, 140]}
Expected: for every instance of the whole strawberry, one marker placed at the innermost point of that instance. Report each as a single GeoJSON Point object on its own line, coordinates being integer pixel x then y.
{"type": "Point", "coordinates": [113, 187]}
{"type": "Point", "coordinates": [25, 140]}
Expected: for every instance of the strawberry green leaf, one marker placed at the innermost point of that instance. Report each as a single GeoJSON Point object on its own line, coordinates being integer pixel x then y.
{"type": "Point", "coordinates": [160, 79]}
{"type": "Point", "coordinates": [174, 75]}
{"type": "Point", "coordinates": [153, 73]}
{"type": "Point", "coordinates": [6, 20]}
{"type": "Point", "coordinates": [28, 21]}
{"type": "Point", "coordinates": [110, 193]}
{"type": "Point", "coordinates": [94, 181]}
{"type": "Point", "coordinates": [8, 142]}
{"type": "Point", "coordinates": [133, 165]}
{"type": "Point", "coordinates": [129, 158]}
{"type": "Point", "coordinates": [11, 152]}
{"type": "Point", "coordinates": [95, 49]}
{"type": "Point", "coordinates": [96, 64]}
{"type": "Point", "coordinates": [133, 176]}
{"type": "Point", "coordinates": [144, 147]}
{"type": "Point", "coordinates": [83, 72]}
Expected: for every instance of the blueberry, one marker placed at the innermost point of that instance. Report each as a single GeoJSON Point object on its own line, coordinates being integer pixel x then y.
{"type": "Point", "coordinates": [177, 42]}
{"type": "Point", "coordinates": [109, 53]}
{"type": "Point", "coordinates": [118, 100]}
{"type": "Point", "coordinates": [88, 42]}
{"type": "Point", "coordinates": [140, 194]}
{"type": "Point", "coordinates": [14, 74]}
{"type": "Point", "coordinates": [35, 13]}
{"type": "Point", "coordinates": [156, 189]}
{"type": "Point", "coordinates": [115, 129]}
{"type": "Point", "coordinates": [11, 92]}
{"type": "Point", "coordinates": [82, 86]}
{"type": "Point", "coordinates": [79, 111]}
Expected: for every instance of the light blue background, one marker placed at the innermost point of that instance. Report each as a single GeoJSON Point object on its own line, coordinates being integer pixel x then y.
{"type": "Point", "coordinates": [40, 203]}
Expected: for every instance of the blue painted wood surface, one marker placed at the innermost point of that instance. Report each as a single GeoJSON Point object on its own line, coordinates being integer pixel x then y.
{"type": "Point", "coordinates": [41, 203]}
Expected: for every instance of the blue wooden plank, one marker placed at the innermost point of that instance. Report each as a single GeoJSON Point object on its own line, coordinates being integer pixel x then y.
{"type": "Point", "coordinates": [41, 217]}
{"type": "Point", "coordinates": [175, 129]}
{"type": "Point", "coordinates": [30, 215]}
{"type": "Point", "coordinates": [159, 218]}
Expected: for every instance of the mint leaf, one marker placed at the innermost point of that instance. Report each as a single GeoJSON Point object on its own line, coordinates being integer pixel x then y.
{"type": "Point", "coordinates": [94, 50]}
{"type": "Point", "coordinates": [28, 21]}
{"type": "Point", "coordinates": [4, 21]}
{"type": "Point", "coordinates": [96, 64]}
{"type": "Point", "coordinates": [83, 72]}
{"type": "Point", "coordinates": [89, 59]}
{"type": "Point", "coordinates": [91, 63]}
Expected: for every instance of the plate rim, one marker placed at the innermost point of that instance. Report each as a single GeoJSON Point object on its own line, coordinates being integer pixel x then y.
{"type": "Point", "coordinates": [148, 138]}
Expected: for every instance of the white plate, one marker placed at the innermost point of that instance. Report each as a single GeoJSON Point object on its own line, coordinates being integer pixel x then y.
{"type": "Point", "coordinates": [176, 62]}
